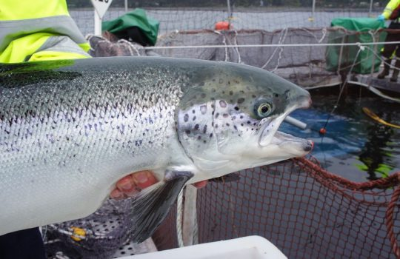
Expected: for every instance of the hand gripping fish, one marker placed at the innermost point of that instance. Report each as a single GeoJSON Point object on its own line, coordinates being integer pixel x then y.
{"type": "Point", "coordinates": [69, 130]}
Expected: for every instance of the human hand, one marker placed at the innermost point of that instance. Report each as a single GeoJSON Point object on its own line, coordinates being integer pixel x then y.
{"type": "Point", "coordinates": [381, 18]}
{"type": "Point", "coordinates": [131, 184]}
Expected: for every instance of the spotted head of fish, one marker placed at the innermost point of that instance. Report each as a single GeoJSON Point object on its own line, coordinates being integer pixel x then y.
{"type": "Point", "coordinates": [229, 118]}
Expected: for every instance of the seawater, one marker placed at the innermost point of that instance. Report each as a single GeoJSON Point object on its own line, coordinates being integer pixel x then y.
{"type": "Point", "coordinates": [354, 146]}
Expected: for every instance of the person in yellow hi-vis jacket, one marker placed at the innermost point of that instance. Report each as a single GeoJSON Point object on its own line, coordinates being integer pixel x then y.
{"type": "Point", "coordinates": [391, 12]}
{"type": "Point", "coordinates": [39, 30]}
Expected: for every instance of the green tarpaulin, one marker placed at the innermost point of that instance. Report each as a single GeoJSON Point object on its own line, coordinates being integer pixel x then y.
{"type": "Point", "coordinates": [136, 18]}
{"type": "Point", "coordinates": [353, 30]}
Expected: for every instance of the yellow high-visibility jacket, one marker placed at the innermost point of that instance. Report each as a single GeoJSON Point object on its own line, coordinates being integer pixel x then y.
{"type": "Point", "coordinates": [393, 4]}
{"type": "Point", "coordinates": [39, 30]}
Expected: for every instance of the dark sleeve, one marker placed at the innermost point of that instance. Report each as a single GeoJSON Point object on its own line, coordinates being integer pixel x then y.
{"type": "Point", "coordinates": [23, 244]}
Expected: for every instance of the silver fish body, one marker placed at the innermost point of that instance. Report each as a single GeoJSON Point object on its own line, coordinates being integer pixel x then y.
{"type": "Point", "coordinates": [70, 129]}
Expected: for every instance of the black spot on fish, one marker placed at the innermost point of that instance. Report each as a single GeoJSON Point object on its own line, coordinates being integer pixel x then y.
{"type": "Point", "coordinates": [240, 100]}
{"type": "Point", "coordinates": [186, 117]}
{"type": "Point", "coordinates": [204, 141]}
{"type": "Point", "coordinates": [187, 132]}
{"type": "Point", "coordinates": [236, 108]}
{"type": "Point", "coordinates": [216, 115]}
{"type": "Point", "coordinates": [199, 138]}
{"type": "Point", "coordinates": [211, 135]}
{"type": "Point", "coordinates": [205, 129]}
{"type": "Point", "coordinates": [248, 122]}
{"type": "Point", "coordinates": [276, 95]}
{"type": "Point", "coordinates": [138, 143]}
{"type": "Point", "coordinates": [193, 111]}
{"type": "Point", "coordinates": [196, 127]}
{"type": "Point", "coordinates": [194, 118]}
{"type": "Point", "coordinates": [228, 124]}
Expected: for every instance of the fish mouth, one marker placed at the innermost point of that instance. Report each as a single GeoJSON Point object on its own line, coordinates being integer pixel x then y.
{"type": "Point", "coordinates": [271, 136]}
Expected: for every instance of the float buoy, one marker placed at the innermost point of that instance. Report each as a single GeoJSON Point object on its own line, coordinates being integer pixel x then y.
{"type": "Point", "coordinates": [222, 26]}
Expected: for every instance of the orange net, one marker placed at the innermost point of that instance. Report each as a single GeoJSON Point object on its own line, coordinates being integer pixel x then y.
{"type": "Point", "coordinates": [304, 210]}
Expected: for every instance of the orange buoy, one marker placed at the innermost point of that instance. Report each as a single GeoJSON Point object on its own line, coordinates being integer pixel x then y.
{"type": "Point", "coordinates": [222, 26]}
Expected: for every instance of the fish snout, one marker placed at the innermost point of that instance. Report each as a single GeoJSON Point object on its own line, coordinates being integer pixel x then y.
{"type": "Point", "coordinates": [304, 101]}
{"type": "Point", "coordinates": [308, 146]}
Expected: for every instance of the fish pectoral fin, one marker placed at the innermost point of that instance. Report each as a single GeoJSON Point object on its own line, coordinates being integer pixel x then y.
{"type": "Point", "coordinates": [152, 205]}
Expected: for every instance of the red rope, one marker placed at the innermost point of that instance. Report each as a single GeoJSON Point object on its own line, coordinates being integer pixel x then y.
{"type": "Point", "coordinates": [390, 222]}
{"type": "Point", "coordinates": [384, 183]}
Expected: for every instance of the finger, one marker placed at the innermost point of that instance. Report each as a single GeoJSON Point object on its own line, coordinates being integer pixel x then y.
{"type": "Point", "coordinates": [201, 184]}
{"type": "Point", "coordinates": [126, 184]}
{"type": "Point", "coordinates": [143, 179]}
{"type": "Point", "coordinates": [116, 194]}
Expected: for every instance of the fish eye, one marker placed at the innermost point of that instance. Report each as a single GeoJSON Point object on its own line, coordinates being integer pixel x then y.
{"type": "Point", "coordinates": [263, 109]}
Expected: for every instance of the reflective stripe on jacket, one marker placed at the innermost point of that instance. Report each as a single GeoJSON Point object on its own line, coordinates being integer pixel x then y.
{"type": "Point", "coordinates": [38, 30]}
{"type": "Point", "coordinates": [393, 4]}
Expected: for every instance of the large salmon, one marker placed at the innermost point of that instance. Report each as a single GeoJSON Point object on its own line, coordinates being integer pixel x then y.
{"type": "Point", "coordinates": [70, 129]}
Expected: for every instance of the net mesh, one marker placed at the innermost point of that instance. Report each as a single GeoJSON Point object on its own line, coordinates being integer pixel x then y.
{"type": "Point", "coordinates": [304, 210]}
{"type": "Point", "coordinates": [301, 55]}
{"type": "Point", "coordinates": [264, 15]}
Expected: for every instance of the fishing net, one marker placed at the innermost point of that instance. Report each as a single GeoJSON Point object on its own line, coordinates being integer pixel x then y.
{"type": "Point", "coordinates": [304, 210]}
{"type": "Point", "coordinates": [301, 55]}
{"type": "Point", "coordinates": [264, 15]}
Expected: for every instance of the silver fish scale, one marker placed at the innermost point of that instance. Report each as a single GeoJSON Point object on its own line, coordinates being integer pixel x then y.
{"type": "Point", "coordinates": [79, 128]}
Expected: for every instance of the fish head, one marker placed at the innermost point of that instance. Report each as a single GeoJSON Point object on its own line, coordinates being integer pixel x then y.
{"type": "Point", "coordinates": [229, 119]}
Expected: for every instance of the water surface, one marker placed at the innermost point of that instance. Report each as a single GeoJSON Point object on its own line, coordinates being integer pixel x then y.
{"type": "Point", "coordinates": [354, 146]}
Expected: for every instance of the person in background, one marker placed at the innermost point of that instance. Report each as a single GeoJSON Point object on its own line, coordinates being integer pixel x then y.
{"type": "Point", "coordinates": [391, 12]}
{"type": "Point", "coordinates": [37, 31]}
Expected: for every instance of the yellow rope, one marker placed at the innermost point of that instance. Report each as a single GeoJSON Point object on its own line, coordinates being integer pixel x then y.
{"type": "Point", "coordinates": [376, 118]}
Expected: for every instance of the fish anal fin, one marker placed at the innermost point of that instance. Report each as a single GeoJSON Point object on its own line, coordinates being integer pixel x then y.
{"type": "Point", "coordinates": [152, 206]}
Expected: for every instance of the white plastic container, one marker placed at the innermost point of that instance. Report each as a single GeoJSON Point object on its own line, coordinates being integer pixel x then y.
{"type": "Point", "coordinates": [251, 247]}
